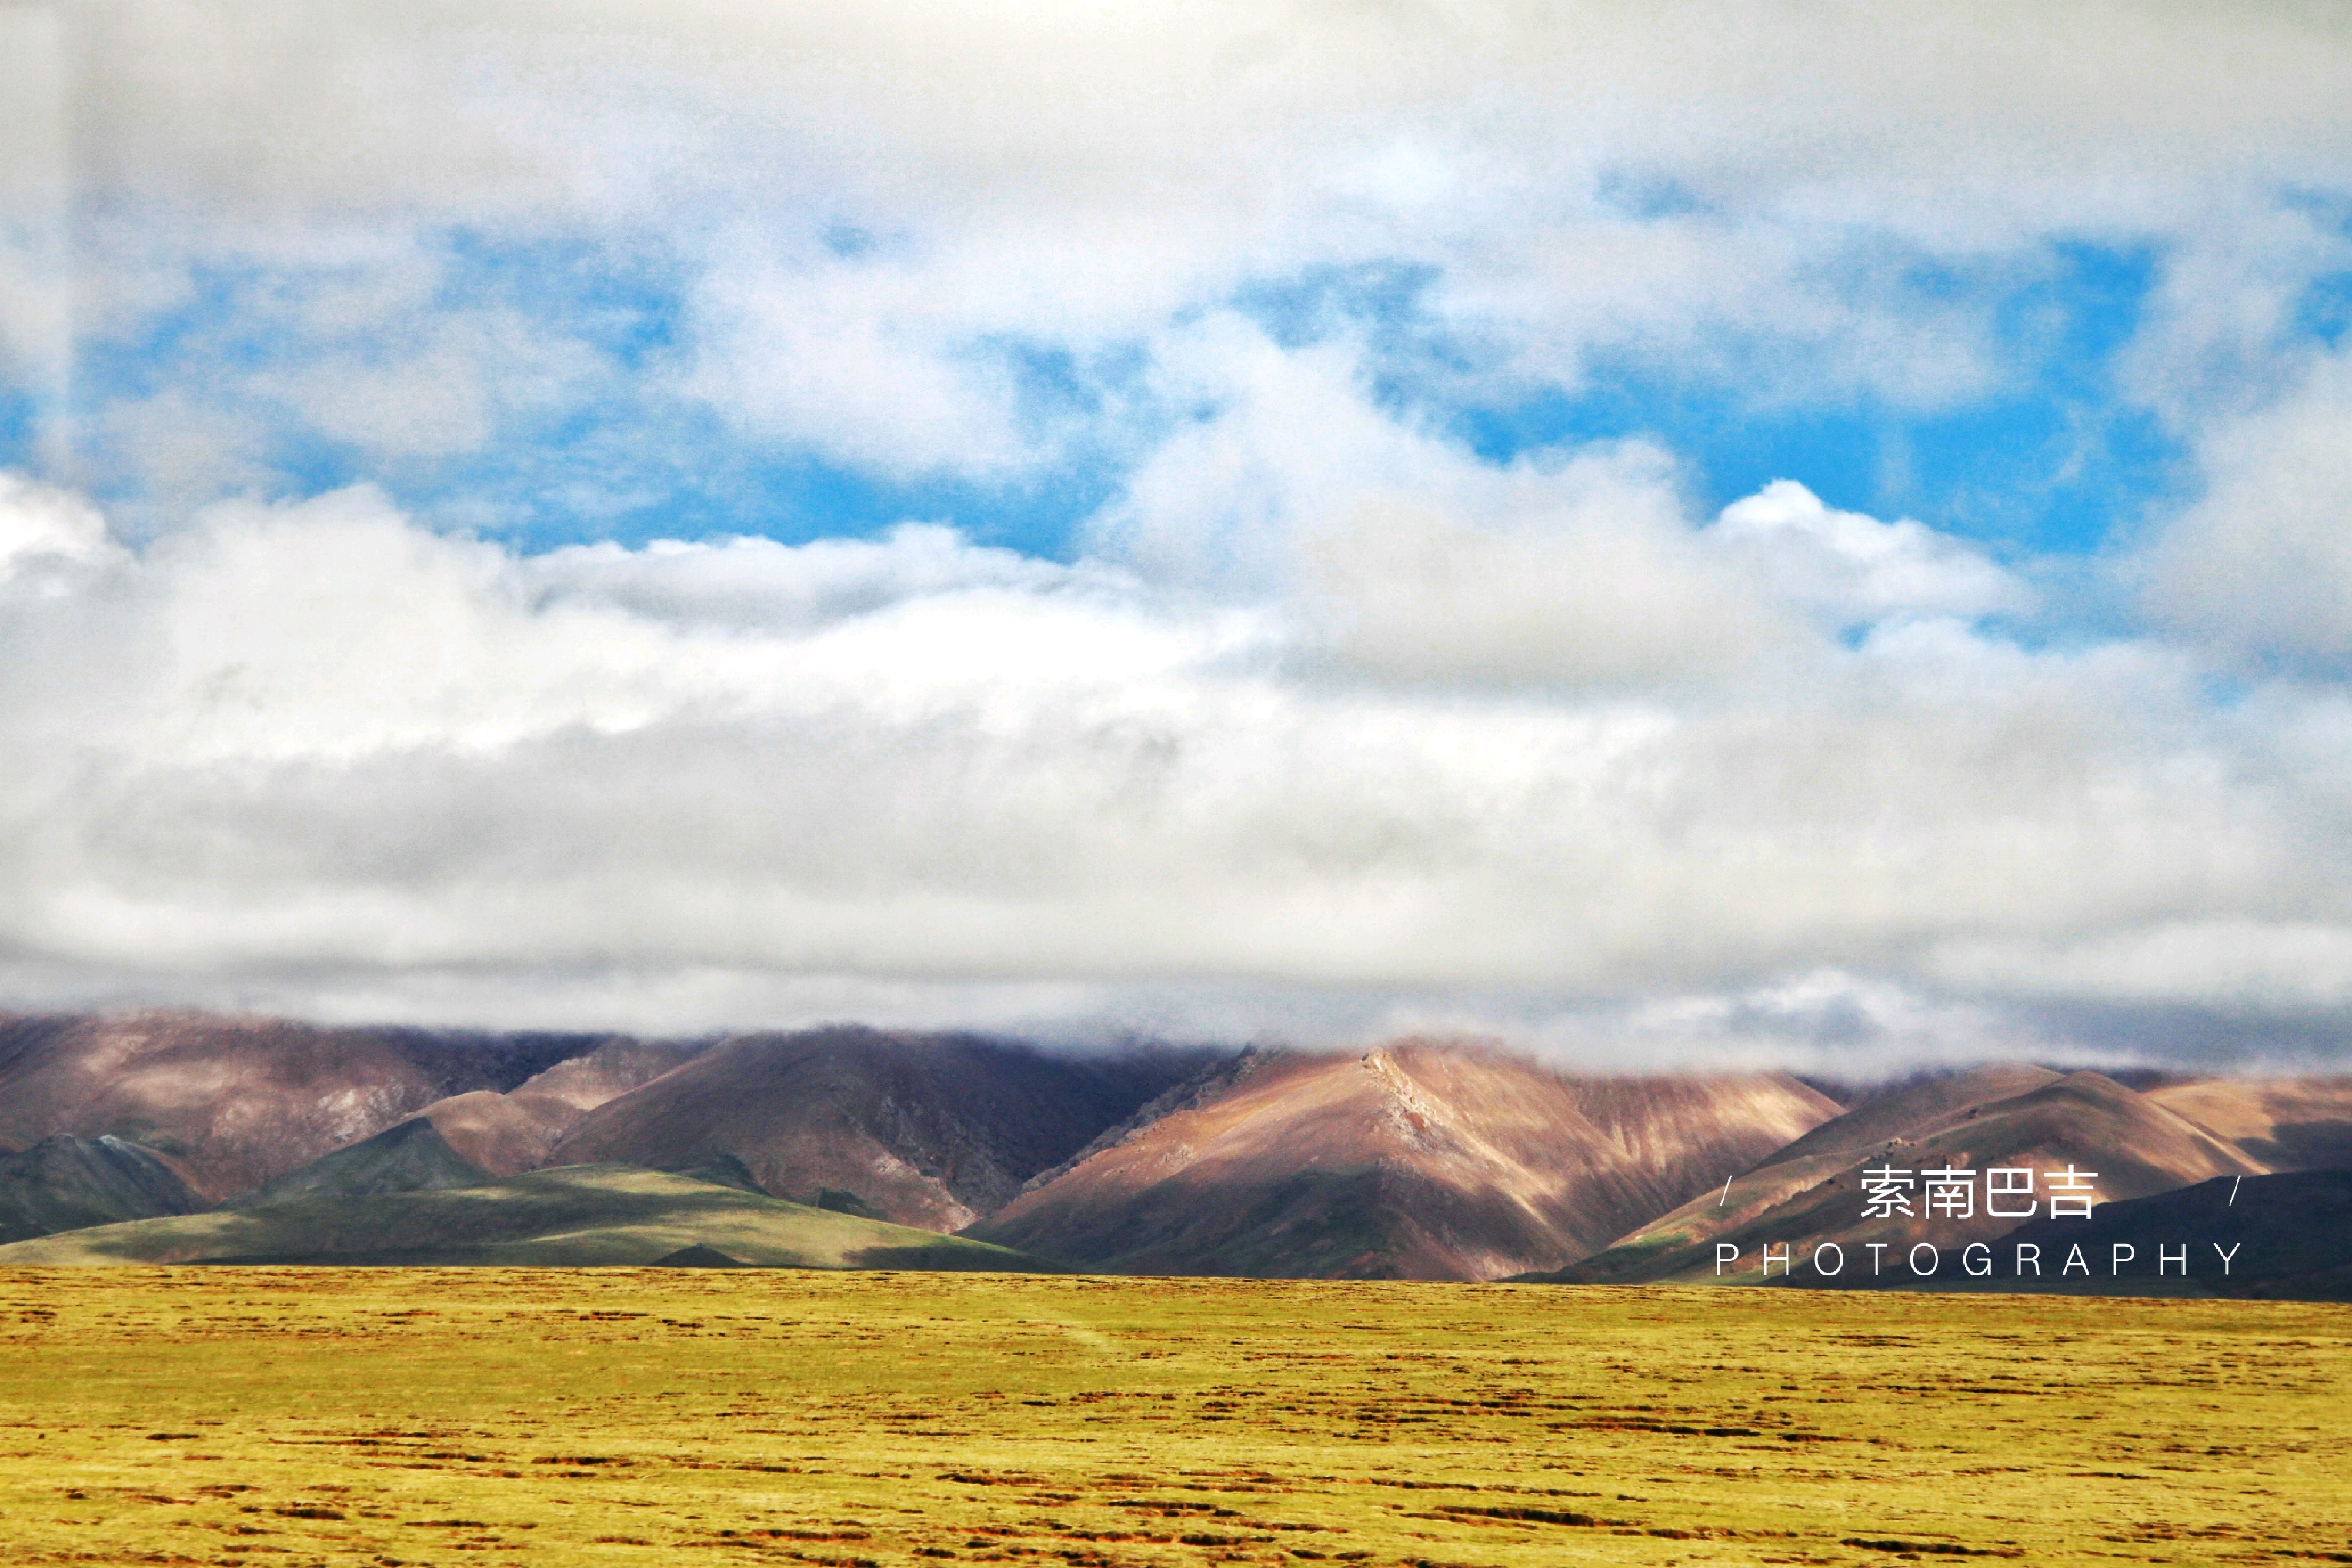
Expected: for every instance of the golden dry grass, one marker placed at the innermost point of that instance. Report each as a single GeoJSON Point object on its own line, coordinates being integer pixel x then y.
{"type": "Point", "coordinates": [285, 1416]}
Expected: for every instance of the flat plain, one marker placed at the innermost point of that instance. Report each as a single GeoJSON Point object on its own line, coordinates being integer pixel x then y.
{"type": "Point", "coordinates": [643, 1416]}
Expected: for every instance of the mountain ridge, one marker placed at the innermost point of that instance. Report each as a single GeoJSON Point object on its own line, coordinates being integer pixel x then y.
{"type": "Point", "coordinates": [1424, 1157]}
{"type": "Point", "coordinates": [234, 1101]}
{"type": "Point", "coordinates": [933, 1129]}
{"type": "Point", "coordinates": [1420, 1160]}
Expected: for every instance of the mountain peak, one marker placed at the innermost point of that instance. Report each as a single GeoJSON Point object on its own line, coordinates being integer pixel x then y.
{"type": "Point", "coordinates": [410, 1158]}
{"type": "Point", "coordinates": [1414, 1159]}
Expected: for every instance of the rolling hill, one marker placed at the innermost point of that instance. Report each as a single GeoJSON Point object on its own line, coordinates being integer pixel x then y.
{"type": "Point", "coordinates": [1837, 1146]}
{"type": "Point", "coordinates": [933, 1131]}
{"type": "Point", "coordinates": [570, 1217]}
{"type": "Point", "coordinates": [2278, 1238]}
{"type": "Point", "coordinates": [1420, 1160]}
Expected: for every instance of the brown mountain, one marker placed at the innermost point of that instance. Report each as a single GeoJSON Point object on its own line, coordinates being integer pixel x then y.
{"type": "Point", "coordinates": [2284, 1123]}
{"type": "Point", "coordinates": [509, 1133]}
{"type": "Point", "coordinates": [1419, 1161]}
{"type": "Point", "coordinates": [1811, 1192]}
{"type": "Point", "coordinates": [1881, 1123]}
{"type": "Point", "coordinates": [933, 1130]}
{"type": "Point", "coordinates": [232, 1102]}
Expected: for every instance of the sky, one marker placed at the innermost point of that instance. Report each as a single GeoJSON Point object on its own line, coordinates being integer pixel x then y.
{"type": "Point", "coordinates": [1815, 536]}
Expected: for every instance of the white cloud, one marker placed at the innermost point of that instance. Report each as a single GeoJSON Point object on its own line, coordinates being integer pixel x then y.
{"type": "Point", "coordinates": [1586, 575]}
{"type": "Point", "coordinates": [2262, 563]}
{"type": "Point", "coordinates": [1413, 557]}
{"type": "Point", "coordinates": [42, 526]}
{"type": "Point", "coordinates": [1944, 118]}
{"type": "Point", "coordinates": [2220, 336]}
{"type": "Point", "coordinates": [752, 583]}
{"type": "Point", "coordinates": [1851, 569]}
{"type": "Point", "coordinates": [431, 384]}
{"type": "Point", "coordinates": [1405, 557]}
{"type": "Point", "coordinates": [877, 366]}
{"type": "Point", "coordinates": [36, 194]}
{"type": "Point", "coordinates": [1754, 200]}
{"type": "Point", "coordinates": [2247, 967]}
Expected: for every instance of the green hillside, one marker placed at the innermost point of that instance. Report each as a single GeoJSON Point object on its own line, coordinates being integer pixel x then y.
{"type": "Point", "coordinates": [410, 1158]}
{"type": "Point", "coordinates": [65, 1182]}
{"type": "Point", "coordinates": [575, 1215]}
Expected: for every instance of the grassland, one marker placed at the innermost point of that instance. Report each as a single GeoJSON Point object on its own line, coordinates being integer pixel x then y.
{"type": "Point", "coordinates": [626, 1417]}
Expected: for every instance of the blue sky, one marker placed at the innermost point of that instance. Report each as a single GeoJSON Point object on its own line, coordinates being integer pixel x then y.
{"type": "Point", "coordinates": [2052, 456]}
{"type": "Point", "coordinates": [1187, 520]}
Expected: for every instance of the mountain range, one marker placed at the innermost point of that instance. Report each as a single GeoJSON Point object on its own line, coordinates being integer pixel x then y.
{"type": "Point", "coordinates": [230, 1103]}
{"type": "Point", "coordinates": [183, 1135]}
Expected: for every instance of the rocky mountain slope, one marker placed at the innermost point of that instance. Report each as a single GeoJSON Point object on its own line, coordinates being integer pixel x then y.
{"type": "Point", "coordinates": [1419, 1161]}
{"type": "Point", "coordinates": [2287, 1237]}
{"type": "Point", "coordinates": [232, 1102]}
{"type": "Point", "coordinates": [1880, 1124]}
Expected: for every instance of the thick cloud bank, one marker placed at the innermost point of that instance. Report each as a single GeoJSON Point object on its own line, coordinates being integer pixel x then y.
{"type": "Point", "coordinates": [316, 750]}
